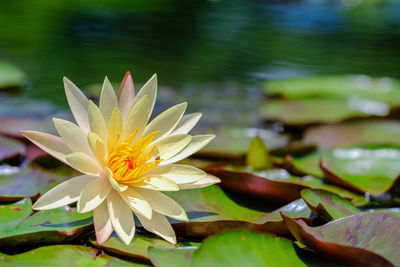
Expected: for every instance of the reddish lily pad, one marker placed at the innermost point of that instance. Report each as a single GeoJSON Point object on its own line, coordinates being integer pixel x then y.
{"type": "Point", "coordinates": [243, 247]}
{"type": "Point", "coordinates": [171, 257]}
{"type": "Point", "coordinates": [365, 239]}
{"type": "Point", "coordinates": [27, 183]}
{"type": "Point", "coordinates": [355, 133]}
{"type": "Point", "coordinates": [63, 256]}
{"type": "Point", "coordinates": [10, 148]}
{"type": "Point", "coordinates": [327, 205]}
{"type": "Point", "coordinates": [315, 111]}
{"type": "Point", "coordinates": [12, 125]}
{"type": "Point", "coordinates": [19, 227]}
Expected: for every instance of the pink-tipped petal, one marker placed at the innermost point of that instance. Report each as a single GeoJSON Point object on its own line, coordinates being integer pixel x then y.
{"type": "Point", "coordinates": [102, 223]}
{"type": "Point", "coordinates": [126, 94]}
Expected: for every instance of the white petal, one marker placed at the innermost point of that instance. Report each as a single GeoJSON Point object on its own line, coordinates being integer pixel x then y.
{"type": "Point", "coordinates": [150, 89]}
{"type": "Point", "coordinates": [78, 104]}
{"type": "Point", "coordinates": [137, 118]}
{"type": "Point", "coordinates": [63, 194]}
{"type": "Point", "coordinates": [121, 217]}
{"type": "Point", "coordinates": [54, 145]}
{"type": "Point", "coordinates": [187, 123]}
{"type": "Point", "coordinates": [166, 122]}
{"type": "Point", "coordinates": [126, 94]}
{"type": "Point", "coordinates": [73, 136]}
{"type": "Point", "coordinates": [163, 204]}
{"type": "Point", "coordinates": [206, 181]}
{"type": "Point", "coordinates": [137, 202]}
{"type": "Point", "coordinates": [160, 226]}
{"type": "Point", "coordinates": [170, 146]}
{"type": "Point", "coordinates": [97, 122]}
{"type": "Point", "coordinates": [197, 143]}
{"type": "Point", "coordinates": [178, 173]}
{"type": "Point", "coordinates": [114, 127]}
{"type": "Point", "coordinates": [108, 100]}
{"type": "Point", "coordinates": [157, 183]}
{"type": "Point", "coordinates": [84, 163]}
{"type": "Point", "coordinates": [93, 194]}
{"type": "Point", "coordinates": [102, 223]}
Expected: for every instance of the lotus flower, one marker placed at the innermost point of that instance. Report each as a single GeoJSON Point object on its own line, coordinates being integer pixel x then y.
{"type": "Point", "coordinates": [125, 162]}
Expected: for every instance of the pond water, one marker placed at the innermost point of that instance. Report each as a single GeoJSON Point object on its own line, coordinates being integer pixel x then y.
{"type": "Point", "coordinates": [215, 54]}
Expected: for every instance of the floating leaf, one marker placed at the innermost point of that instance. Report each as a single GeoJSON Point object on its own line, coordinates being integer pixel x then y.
{"type": "Point", "coordinates": [27, 183]}
{"type": "Point", "coordinates": [10, 76]}
{"type": "Point", "coordinates": [19, 227]}
{"type": "Point", "coordinates": [242, 247]}
{"type": "Point", "coordinates": [327, 205]}
{"type": "Point", "coordinates": [63, 256]}
{"type": "Point", "coordinates": [10, 148]}
{"type": "Point", "coordinates": [314, 111]}
{"type": "Point", "coordinates": [365, 239]}
{"type": "Point", "coordinates": [12, 125]}
{"type": "Point", "coordinates": [355, 133]}
{"type": "Point", "coordinates": [258, 156]}
{"type": "Point", "coordinates": [172, 257]}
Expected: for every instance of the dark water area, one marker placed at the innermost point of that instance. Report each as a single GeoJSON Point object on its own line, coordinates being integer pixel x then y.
{"type": "Point", "coordinates": [215, 54]}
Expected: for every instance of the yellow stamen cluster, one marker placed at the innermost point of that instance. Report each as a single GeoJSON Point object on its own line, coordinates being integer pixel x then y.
{"type": "Point", "coordinates": [129, 162]}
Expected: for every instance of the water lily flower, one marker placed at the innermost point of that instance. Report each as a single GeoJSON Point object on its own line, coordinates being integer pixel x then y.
{"type": "Point", "coordinates": [125, 161]}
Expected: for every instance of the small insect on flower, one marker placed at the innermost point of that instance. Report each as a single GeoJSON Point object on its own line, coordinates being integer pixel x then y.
{"type": "Point", "coordinates": [125, 161]}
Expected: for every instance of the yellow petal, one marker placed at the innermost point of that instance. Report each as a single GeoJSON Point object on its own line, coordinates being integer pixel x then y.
{"type": "Point", "coordinates": [97, 147]}
{"type": "Point", "coordinates": [178, 173]}
{"type": "Point", "coordinates": [197, 143]}
{"type": "Point", "coordinates": [163, 204]}
{"type": "Point", "coordinates": [160, 226]}
{"type": "Point", "coordinates": [93, 194]}
{"type": "Point", "coordinates": [203, 182]}
{"type": "Point", "coordinates": [114, 127]}
{"type": "Point", "coordinates": [149, 89]}
{"type": "Point", "coordinates": [187, 123]}
{"type": "Point", "coordinates": [157, 183]}
{"type": "Point", "coordinates": [137, 118]}
{"type": "Point", "coordinates": [73, 136]}
{"type": "Point", "coordinates": [97, 122]}
{"type": "Point", "coordinates": [108, 100]}
{"type": "Point", "coordinates": [121, 217]}
{"type": "Point", "coordinates": [78, 104]}
{"type": "Point", "coordinates": [84, 163]}
{"type": "Point", "coordinates": [137, 202]}
{"type": "Point", "coordinates": [166, 122]}
{"type": "Point", "coordinates": [170, 146]}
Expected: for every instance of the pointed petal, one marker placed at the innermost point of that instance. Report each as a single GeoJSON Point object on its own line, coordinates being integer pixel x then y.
{"type": "Point", "coordinates": [160, 226]}
{"type": "Point", "coordinates": [54, 145]}
{"type": "Point", "coordinates": [93, 194]}
{"type": "Point", "coordinates": [187, 123]}
{"type": "Point", "coordinates": [97, 147]}
{"type": "Point", "coordinates": [136, 202]}
{"type": "Point", "coordinates": [158, 183]}
{"type": "Point", "coordinates": [126, 94]}
{"type": "Point", "coordinates": [163, 204]}
{"type": "Point", "coordinates": [166, 122]}
{"type": "Point", "coordinates": [73, 136]}
{"type": "Point", "coordinates": [84, 163]}
{"type": "Point", "coordinates": [108, 100]}
{"type": "Point", "coordinates": [178, 173]}
{"type": "Point", "coordinates": [150, 89]}
{"type": "Point", "coordinates": [206, 181]}
{"type": "Point", "coordinates": [102, 223]}
{"type": "Point", "coordinates": [63, 194]}
{"type": "Point", "coordinates": [170, 146]}
{"type": "Point", "coordinates": [78, 104]}
{"type": "Point", "coordinates": [197, 143]}
{"type": "Point", "coordinates": [114, 127]}
{"type": "Point", "coordinates": [121, 217]}
{"type": "Point", "coordinates": [137, 118]}
{"type": "Point", "coordinates": [97, 122]}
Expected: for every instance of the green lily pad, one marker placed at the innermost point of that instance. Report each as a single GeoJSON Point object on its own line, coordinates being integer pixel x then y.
{"type": "Point", "coordinates": [10, 76]}
{"type": "Point", "coordinates": [355, 133]}
{"type": "Point", "coordinates": [137, 249]}
{"type": "Point", "coordinates": [327, 205]}
{"type": "Point", "coordinates": [315, 111]}
{"type": "Point", "coordinates": [383, 89]}
{"type": "Point", "coordinates": [27, 183]}
{"type": "Point", "coordinates": [242, 247]}
{"type": "Point", "coordinates": [10, 148]}
{"type": "Point", "coordinates": [364, 239]}
{"type": "Point", "coordinates": [226, 144]}
{"type": "Point", "coordinates": [171, 257]}
{"type": "Point", "coordinates": [63, 256]}
{"type": "Point", "coordinates": [19, 227]}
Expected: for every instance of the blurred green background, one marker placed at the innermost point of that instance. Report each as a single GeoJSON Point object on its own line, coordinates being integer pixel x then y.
{"type": "Point", "coordinates": [212, 53]}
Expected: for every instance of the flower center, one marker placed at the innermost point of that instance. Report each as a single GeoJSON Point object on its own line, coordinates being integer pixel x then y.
{"type": "Point", "coordinates": [129, 162]}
